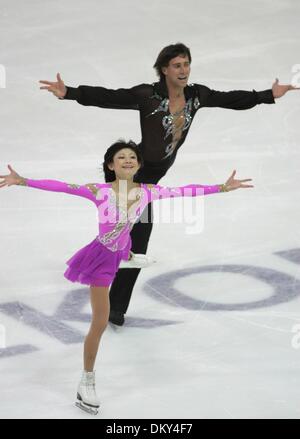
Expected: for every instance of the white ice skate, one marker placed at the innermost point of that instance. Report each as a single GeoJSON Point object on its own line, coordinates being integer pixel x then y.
{"type": "Point", "coordinates": [137, 261]}
{"type": "Point", "coordinates": [87, 399]}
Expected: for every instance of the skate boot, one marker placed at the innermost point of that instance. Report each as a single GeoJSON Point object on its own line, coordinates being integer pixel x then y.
{"type": "Point", "coordinates": [137, 261]}
{"type": "Point", "coordinates": [86, 394]}
{"type": "Point", "coordinates": [116, 317]}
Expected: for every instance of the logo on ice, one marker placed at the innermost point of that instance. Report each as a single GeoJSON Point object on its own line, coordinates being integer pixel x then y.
{"type": "Point", "coordinates": [2, 76]}
{"type": "Point", "coordinates": [2, 337]}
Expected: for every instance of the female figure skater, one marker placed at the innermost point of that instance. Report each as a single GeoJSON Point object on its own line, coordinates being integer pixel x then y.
{"type": "Point", "coordinates": [120, 202]}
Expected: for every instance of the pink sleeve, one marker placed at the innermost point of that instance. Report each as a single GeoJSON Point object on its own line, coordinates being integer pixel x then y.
{"type": "Point", "coordinates": [190, 190]}
{"type": "Point", "coordinates": [87, 191]}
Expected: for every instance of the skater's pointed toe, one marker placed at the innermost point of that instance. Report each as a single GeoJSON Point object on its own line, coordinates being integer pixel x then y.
{"type": "Point", "coordinates": [137, 261]}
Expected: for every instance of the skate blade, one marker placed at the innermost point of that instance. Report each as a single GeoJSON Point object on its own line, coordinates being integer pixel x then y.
{"type": "Point", "coordinates": [91, 410]}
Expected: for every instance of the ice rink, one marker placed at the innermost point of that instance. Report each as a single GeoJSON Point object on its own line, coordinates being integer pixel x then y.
{"type": "Point", "coordinates": [213, 329]}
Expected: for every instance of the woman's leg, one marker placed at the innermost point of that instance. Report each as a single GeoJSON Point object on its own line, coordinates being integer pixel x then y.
{"type": "Point", "coordinates": [100, 315]}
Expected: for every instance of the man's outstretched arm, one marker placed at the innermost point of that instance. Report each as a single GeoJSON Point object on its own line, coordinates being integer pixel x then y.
{"type": "Point", "coordinates": [240, 99]}
{"type": "Point", "coordinates": [96, 96]}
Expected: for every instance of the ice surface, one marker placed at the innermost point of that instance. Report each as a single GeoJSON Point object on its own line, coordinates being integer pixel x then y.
{"type": "Point", "coordinates": [209, 332]}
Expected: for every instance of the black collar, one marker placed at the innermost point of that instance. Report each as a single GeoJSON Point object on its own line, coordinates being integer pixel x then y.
{"type": "Point", "coordinates": [161, 90]}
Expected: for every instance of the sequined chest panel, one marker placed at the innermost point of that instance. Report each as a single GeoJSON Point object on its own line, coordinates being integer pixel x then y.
{"type": "Point", "coordinates": [116, 221]}
{"type": "Point", "coordinates": [175, 124]}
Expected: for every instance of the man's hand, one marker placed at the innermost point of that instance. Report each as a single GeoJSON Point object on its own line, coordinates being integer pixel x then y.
{"type": "Point", "coordinates": [57, 88]}
{"type": "Point", "coordinates": [280, 90]}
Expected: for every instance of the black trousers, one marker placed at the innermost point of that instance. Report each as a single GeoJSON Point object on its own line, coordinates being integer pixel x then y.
{"type": "Point", "coordinates": [123, 284]}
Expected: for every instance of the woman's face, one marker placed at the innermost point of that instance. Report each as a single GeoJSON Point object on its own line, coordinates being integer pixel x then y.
{"type": "Point", "coordinates": [125, 164]}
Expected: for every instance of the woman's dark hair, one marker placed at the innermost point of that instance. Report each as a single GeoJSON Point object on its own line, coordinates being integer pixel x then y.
{"type": "Point", "coordinates": [168, 53]}
{"type": "Point", "coordinates": [109, 175]}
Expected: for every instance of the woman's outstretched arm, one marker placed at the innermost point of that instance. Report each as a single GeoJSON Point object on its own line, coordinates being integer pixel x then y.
{"type": "Point", "coordinates": [86, 191]}
{"type": "Point", "coordinates": [193, 190]}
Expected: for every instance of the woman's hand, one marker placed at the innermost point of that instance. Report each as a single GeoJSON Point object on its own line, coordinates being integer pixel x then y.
{"type": "Point", "coordinates": [58, 88]}
{"type": "Point", "coordinates": [11, 179]}
{"type": "Point", "coordinates": [233, 184]}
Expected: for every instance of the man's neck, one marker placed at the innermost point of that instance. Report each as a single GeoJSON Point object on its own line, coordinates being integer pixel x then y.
{"type": "Point", "coordinates": [174, 92]}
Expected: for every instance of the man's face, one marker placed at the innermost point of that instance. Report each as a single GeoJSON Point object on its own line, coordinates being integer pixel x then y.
{"type": "Point", "coordinates": [178, 71]}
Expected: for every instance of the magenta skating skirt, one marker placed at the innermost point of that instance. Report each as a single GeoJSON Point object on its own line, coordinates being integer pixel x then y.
{"type": "Point", "coordinates": [95, 264]}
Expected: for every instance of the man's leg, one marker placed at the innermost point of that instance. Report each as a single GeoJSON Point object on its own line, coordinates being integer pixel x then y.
{"type": "Point", "coordinates": [122, 286]}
